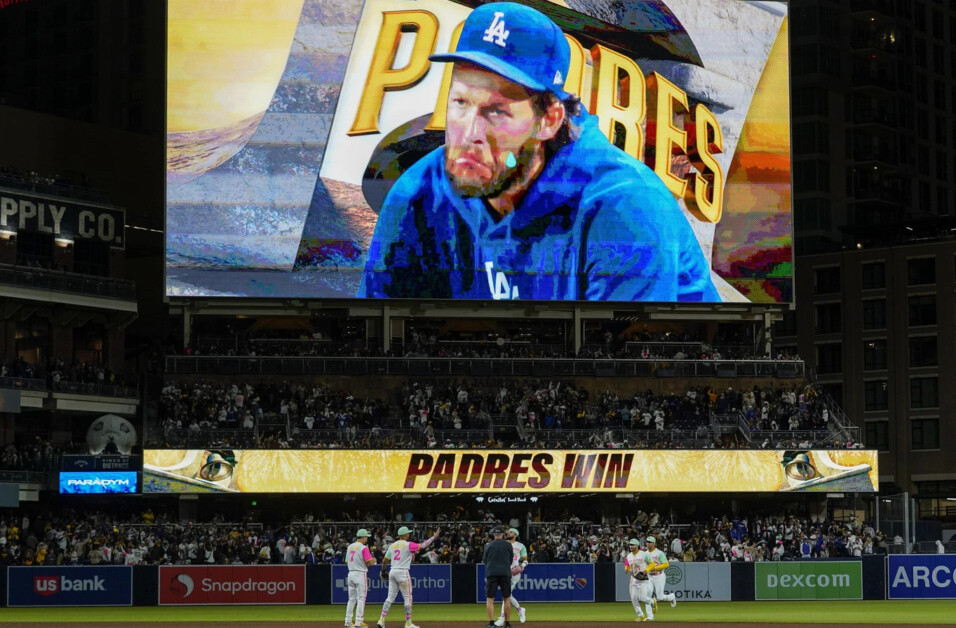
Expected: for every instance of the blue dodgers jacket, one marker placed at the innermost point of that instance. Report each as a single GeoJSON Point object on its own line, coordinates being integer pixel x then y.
{"type": "Point", "coordinates": [596, 225]}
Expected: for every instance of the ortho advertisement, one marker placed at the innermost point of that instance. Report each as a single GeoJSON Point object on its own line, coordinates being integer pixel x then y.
{"type": "Point", "coordinates": [928, 577]}
{"type": "Point", "coordinates": [247, 584]}
{"type": "Point", "coordinates": [430, 584]}
{"type": "Point", "coordinates": [590, 151]}
{"type": "Point", "coordinates": [689, 582]}
{"type": "Point", "coordinates": [70, 586]}
{"type": "Point", "coordinates": [89, 482]}
{"type": "Point", "coordinates": [836, 580]}
{"type": "Point", "coordinates": [506, 471]}
{"type": "Point", "coordinates": [547, 583]}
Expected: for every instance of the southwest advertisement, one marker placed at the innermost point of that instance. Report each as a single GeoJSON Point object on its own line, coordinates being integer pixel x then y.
{"type": "Point", "coordinates": [430, 584]}
{"type": "Point", "coordinates": [547, 583]}
{"type": "Point", "coordinates": [444, 149]}
{"type": "Point", "coordinates": [247, 584]}
{"type": "Point", "coordinates": [70, 586]}
{"type": "Point", "coordinates": [507, 471]}
{"type": "Point", "coordinates": [836, 580]}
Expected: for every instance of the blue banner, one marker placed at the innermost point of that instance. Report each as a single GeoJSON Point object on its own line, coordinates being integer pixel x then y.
{"type": "Point", "coordinates": [70, 586]}
{"type": "Point", "coordinates": [430, 584]}
{"type": "Point", "coordinates": [552, 582]}
{"type": "Point", "coordinates": [921, 577]}
{"type": "Point", "coordinates": [88, 482]}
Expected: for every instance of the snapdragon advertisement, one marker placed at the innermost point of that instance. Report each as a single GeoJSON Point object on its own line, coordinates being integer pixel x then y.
{"type": "Point", "coordinates": [586, 150]}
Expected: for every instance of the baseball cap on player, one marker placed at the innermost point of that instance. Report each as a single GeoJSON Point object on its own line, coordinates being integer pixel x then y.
{"type": "Point", "coordinates": [513, 531]}
{"type": "Point", "coordinates": [361, 533]}
{"type": "Point", "coordinates": [635, 542]}
{"type": "Point", "coordinates": [651, 539]}
{"type": "Point", "coordinates": [404, 530]}
{"type": "Point", "coordinates": [518, 42]}
{"type": "Point", "coordinates": [497, 530]}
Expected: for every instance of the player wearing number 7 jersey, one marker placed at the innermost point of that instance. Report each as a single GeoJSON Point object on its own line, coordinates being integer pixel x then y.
{"type": "Point", "coordinates": [399, 555]}
{"type": "Point", "coordinates": [359, 559]}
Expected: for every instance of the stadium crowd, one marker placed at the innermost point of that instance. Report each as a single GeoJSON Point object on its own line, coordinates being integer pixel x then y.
{"type": "Point", "coordinates": [56, 371]}
{"type": "Point", "coordinates": [70, 537]}
{"type": "Point", "coordinates": [466, 413]}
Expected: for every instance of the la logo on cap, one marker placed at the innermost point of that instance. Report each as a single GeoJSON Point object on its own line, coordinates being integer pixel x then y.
{"type": "Point", "coordinates": [496, 31]}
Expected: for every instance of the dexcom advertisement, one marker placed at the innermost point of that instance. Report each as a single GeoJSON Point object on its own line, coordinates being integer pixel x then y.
{"type": "Point", "coordinates": [430, 584]}
{"type": "Point", "coordinates": [922, 577]}
{"type": "Point", "coordinates": [548, 583]}
{"type": "Point", "coordinates": [70, 586]}
{"type": "Point", "coordinates": [444, 149]}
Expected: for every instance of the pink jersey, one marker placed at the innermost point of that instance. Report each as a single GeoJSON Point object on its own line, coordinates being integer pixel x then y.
{"type": "Point", "coordinates": [358, 553]}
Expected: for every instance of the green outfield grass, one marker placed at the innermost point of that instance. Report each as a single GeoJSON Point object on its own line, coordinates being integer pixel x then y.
{"type": "Point", "coordinates": [886, 612]}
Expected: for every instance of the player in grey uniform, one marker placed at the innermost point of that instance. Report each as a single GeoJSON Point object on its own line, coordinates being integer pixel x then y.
{"type": "Point", "coordinates": [519, 561]}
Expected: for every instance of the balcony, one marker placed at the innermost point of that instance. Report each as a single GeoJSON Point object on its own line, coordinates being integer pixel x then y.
{"type": "Point", "coordinates": [60, 281]}
{"type": "Point", "coordinates": [481, 367]}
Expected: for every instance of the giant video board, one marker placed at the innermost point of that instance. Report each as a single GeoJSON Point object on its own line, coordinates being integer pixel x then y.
{"type": "Point", "coordinates": [356, 472]}
{"type": "Point", "coordinates": [335, 149]}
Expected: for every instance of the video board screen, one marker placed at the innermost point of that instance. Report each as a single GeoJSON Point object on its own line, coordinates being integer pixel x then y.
{"type": "Point", "coordinates": [97, 482]}
{"type": "Point", "coordinates": [449, 149]}
{"type": "Point", "coordinates": [356, 472]}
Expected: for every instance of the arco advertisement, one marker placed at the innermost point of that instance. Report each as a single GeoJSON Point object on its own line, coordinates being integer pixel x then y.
{"type": "Point", "coordinates": [185, 585]}
{"type": "Point", "coordinates": [926, 577]}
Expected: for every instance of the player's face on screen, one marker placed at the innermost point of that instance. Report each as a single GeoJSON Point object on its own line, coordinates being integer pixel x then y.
{"type": "Point", "coordinates": [488, 119]}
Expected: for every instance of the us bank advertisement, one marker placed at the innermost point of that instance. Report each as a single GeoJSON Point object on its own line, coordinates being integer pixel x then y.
{"type": "Point", "coordinates": [440, 149]}
{"type": "Point", "coordinates": [507, 471]}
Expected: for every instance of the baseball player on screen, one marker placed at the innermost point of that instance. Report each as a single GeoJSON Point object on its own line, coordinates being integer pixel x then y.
{"type": "Point", "coordinates": [399, 555]}
{"type": "Point", "coordinates": [640, 588]}
{"type": "Point", "coordinates": [658, 563]}
{"type": "Point", "coordinates": [359, 559]}
{"type": "Point", "coordinates": [528, 199]}
{"type": "Point", "coordinates": [519, 561]}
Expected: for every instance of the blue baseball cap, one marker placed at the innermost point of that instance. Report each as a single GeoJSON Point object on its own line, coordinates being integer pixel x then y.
{"type": "Point", "coordinates": [518, 42]}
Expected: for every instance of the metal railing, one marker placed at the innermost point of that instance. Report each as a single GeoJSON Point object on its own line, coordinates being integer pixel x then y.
{"type": "Point", "coordinates": [26, 477]}
{"type": "Point", "coordinates": [530, 367]}
{"type": "Point", "coordinates": [67, 282]}
{"type": "Point", "coordinates": [100, 390]}
{"type": "Point", "coordinates": [23, 383]}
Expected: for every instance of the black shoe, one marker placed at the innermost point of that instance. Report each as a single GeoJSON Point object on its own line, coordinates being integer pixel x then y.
{"type": "Point", "coordinates": [507, 624]}
{"type": "Point", "coordinates": [491, 624]}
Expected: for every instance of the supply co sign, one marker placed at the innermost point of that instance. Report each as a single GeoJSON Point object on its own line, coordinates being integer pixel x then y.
{"type": "Point", "coordinates": [926, 577]}
{"type": "Point", "coordinates": [247, 584]}
{"type": "Point", "coordinates": [689, 582]}
{"type": "Point", "coordinates": [837, 580]}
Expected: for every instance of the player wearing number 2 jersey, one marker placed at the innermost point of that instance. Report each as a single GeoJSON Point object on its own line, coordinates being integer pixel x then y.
{"type": "Point", "coordinates": [358, 558]}
{"type": "Point", "coordinates": [399, 555]}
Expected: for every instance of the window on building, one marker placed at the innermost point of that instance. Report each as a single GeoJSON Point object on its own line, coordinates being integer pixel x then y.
{"type": "Point", "coordinates": [923, 351]}
{"type": "Point", "coordinates": [874, 395]}
{"type": "Point", "coordinates": [877, 435]}
{"type": "Point", "coordinates": [827, 280]}
{"type": "Point", "coordinates": [829, 318]}
{"type": "Point", "coordinates": [786, 326]}
{"type": "Point", "coordinates": [922, 310]}
{"type": "Point", "coordinates": [834, 390]}
{"type": "Point", "coordinates": [874, 275]}
{"type": "Point", "coordinates": [924, 392]}
{"type": "Point", "coordinates": [874, 354]}
{"type": "Point", "coordinates": [874, 314]}
{"type": "Point", "coordinates": [830, 358]}
{"type": "Point", "coordinates": [921, 271]}
{"type": "Point", "coordinates": [924, 433]}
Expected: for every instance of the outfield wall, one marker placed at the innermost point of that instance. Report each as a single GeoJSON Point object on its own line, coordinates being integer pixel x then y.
{"type": "Point", "coordinates": [867, 578]}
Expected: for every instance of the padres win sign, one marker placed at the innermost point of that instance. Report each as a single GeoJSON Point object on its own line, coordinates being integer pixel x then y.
{"type": "Point", "coordinates": [506, 471]}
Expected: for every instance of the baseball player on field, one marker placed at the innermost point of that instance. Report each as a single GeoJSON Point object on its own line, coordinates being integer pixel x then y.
{"type": "Point", "coordinates": [395, 567]}
{"type": "Point", "coordinates": [519, 561]}
{"type": "Point", "coordinates": [359, 559]}
{"type": "Point", "coordinates": [656, 566]}
{"type": "Point", "coordinates": [640, 588]}
{"type": "Point", "coordinates": [527, 199]}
